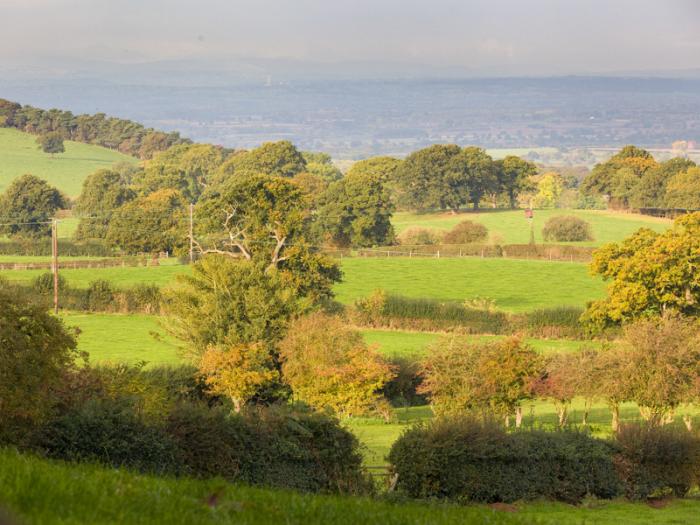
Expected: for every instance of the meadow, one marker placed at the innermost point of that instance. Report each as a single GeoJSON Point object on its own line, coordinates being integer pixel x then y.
{"type": "Point", "coordinates": [511, 226]}
{"type": "Point", "coordinates": [515, 285]}
{"type": "Point", "coordinates": [19, 154]}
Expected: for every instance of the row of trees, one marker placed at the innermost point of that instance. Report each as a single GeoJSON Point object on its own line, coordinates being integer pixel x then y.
{"type": "Point", "coordinates": [124, 135]}
{"type": "Point", "coordinates": [633, 178]}
{"type": "Point", "coordinates": [656, 364]}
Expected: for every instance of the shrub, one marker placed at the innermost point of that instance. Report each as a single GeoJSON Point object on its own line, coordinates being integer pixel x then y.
{"type": "Point", "coordinates": [567, 228]}
{"type": "Point", "coordinates": [418, 236]}
{"type": "Point", "coordinates": [652, 460]}
{"type": "Point", "coordinates": [145, 298]}
{"type": "Point", "coordinates": [43, 284]}
{"type": "Point", "coordinates": [109, 432]}
{"type": "Point", "coordinates": [467, 460]}
{"type": "Point", "coordinates": [466, 232]}
{"type": "Point", "coordinates": [560, 321]}
{"type": "Point", "coordinates": [100, 296]}
{"type": "Point", "coordinates": [402, 389]}
{"type": "Point", "coordinates": [328, 365]}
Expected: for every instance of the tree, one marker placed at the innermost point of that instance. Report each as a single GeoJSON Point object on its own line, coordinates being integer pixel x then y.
{"type": "Point", "coordinates": [36, 350]}
{"type": "Point", "coordinates": [321, 165]}
{"type": "Point", "coordinates": [549, 190]}
{"type": "Point", "coordinates": [230, 301]}
{"type": "Point", "coordinates": [651, 190]}
{"type": "Point", "coordinates": [279, 159]}
{"type": "Point", "coordinates": [151, 224]}
{"type": "Point", "coordinates": [649, 273]}
{"type": "Point", "coordinates": [187, 168]}
{"type": "Point", "coordinates": [423, 179]}
{"type": "Point", "coordinates": [265, 220]}
{"type": "Point", "coordinates": [27, 206]}
{"type": "Point", "coordinates": [460, 375]}
{"type": "Point", "coordinates": [514, 176]}
{"type": "Point", "coordinates": [103, 192]}
{"type": "Point", "coordinates": [661, 364]}
{"type": "Point", "coordinates": [328, 365]}
{"type": "Point", "coordinates": [683, 190]}
{"type": "Point", "coordinates": [51, 142]}
{"type": "Point", "coordinates": [384, 168]}
{"type": "Point", "coordinates": [356, 211]}
{"type": "Point", "coordinates": [475, 172]}
{"type": "Point", "coordinates": [238, 371]}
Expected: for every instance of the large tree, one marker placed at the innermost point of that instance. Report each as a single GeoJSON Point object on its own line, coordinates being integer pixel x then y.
{"type": "Point", "coordinates": [683, 190]}
{"type": "Point", "coordinates": [651, 190]}
{"type": "Point", "coordinates": [279, 159]}
{"type": "Point", "coordinates": [649, 273]}
{"type": "Point", "coordinates": [27, 207]}
{"type": "Point", "coordinates": [186, 168]}
{"type": "Point", "coordinates": [385, 168]}
{"type": "Point", "coordinates": [152, 223]}
{"type": "Point", "coordinates": [356, 211]}
{"type": "Point", "coordinates": [103, 192]}
{"type": "Point", "coordinates": [514, 176]}
{"type": "Point", "coordinates": [265, 220]}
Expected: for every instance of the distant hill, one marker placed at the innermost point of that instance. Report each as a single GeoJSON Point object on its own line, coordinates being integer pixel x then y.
{"type": "Point", "coordinates": [19, 154]}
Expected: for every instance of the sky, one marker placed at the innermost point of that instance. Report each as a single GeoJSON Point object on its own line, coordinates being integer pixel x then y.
{"type": "Point", "coordinates": [476, 37]}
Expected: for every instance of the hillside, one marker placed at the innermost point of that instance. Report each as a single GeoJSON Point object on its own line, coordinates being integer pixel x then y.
{"type": "Point", "coordinates": [19, 154]}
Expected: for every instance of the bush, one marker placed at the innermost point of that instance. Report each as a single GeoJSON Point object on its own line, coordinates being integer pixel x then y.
{"type": "Point", "coordinates": [37, 247]}
{"type": "Point", "coordinates": [417, 236]}
{"type": "Point", "coordinates": [100, 296]}
{"type": "Point", "coordinates": [466, 460]}
{"type": "Point", "coordinates": [557, 322]}
{"type": "Point", "coordinates": [43, 284]}
{"type": "Point", "coordinates": [567, 228]}
{"type": "Point", "coordinates": [109, 432]}
{"type": "Point", "coordinates": [653, 460]}
{"type": "Point", "coordinates": [466, 232]}
{"type": "Point", "coordinates": [401, 390]}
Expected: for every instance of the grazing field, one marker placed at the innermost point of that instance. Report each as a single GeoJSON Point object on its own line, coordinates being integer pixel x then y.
{"type": "Point", "coordinates": [515, 285]}
{"type": "Point", "coordinates": [19, 154]}
{"type": "Point", "coordinates": [511, 226]}
{"type": "Point", "coordinates": [42, 491]}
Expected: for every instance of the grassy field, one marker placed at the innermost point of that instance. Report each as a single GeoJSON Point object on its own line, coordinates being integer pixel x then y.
{"type": "Point", "coordinates": [511, 226]}
{"type": "Point", "coordinates": [46, 492]}
{"type": "Point", "coordinates": [19, 154]}
{"type": "Point", "coordinates": [515, 285]}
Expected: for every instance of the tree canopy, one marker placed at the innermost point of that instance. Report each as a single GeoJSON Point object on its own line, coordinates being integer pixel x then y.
{"type": "Point", "coordinates": [51, 142]}
{"type": "Point", "coordinates": [27, 207]}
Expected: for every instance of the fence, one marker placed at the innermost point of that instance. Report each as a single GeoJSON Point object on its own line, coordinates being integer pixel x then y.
{"type": "Point", "coordinates": [513, 251]}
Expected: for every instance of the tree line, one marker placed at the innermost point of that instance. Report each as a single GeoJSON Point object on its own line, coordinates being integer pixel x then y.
{"type": "Point", "coordinates": [124, 135]}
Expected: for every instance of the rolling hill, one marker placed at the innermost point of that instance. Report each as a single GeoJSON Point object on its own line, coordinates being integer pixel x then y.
{"type": "Point", "coordinates": [19, 154]}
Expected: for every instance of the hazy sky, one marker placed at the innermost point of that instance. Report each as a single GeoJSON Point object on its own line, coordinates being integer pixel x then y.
{"type": "Point", "coordinates": [480, 36]}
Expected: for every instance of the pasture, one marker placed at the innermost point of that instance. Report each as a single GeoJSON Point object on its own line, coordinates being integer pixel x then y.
{"type": "Point", "coordinates": [515, 285]}
{"type": "Point", "coordinates": [19, 154]}
{"type": "Point", "coordinates": [511, 226]}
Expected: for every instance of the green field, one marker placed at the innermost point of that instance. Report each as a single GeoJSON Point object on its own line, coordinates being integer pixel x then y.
{"type": "Point", "coordinates": [516, 285]}
{"type": "Point", "coordinates": [511, 226]}
{"type": "Point", "coordinates": [42, 491]}
{"type": "Point", "coordinates": [19, 154]}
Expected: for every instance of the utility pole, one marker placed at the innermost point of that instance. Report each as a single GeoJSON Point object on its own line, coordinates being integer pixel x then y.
{"type": "Point", "coordinates": [54, 263]}
{"type": "Point", "coordinates": [191, 232]}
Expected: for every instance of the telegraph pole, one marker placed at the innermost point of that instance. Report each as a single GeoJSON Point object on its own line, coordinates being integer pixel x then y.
{"type": "Point", "coordinates": [191, 232]}
{"type": "Point", "coordinates": [54, 263]}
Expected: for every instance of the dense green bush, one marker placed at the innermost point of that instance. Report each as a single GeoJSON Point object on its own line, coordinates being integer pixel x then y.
{"type": "Point", "coordinates": [466, 460]}
{"type": "Point", "coordinates": [100, 295]}
{"type": "Point", "coordinates": [39, 247]}
{"type": "Point", "coordinates": [401, 390]}
{"type": "Point", "coordinates": [109, 432]}
{"type": "Point", "coordinates": [653, 460]}
{"type": "Point", "coordinates": [466, 232]}
{"type": "Point", "coordinates": [567, 228]}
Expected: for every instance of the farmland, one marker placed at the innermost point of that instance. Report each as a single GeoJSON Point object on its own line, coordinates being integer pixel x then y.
{"type": "Point", "coordinates": [19, 154]}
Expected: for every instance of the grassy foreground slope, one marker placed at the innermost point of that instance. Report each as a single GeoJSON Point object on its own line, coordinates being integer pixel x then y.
{"type": "Point", "coordinates": [40, 491]}
{"type": "Point", "coordinates": [19, 154]}
{"type": "Point", "coordinates": [511, 226]}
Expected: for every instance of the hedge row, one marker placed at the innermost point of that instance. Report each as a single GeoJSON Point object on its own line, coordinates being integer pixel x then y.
{"type": "Point", "coordinates": [393, 311]}
{"type": "Point", "coordinates": [554, 252]}
{"type": "Point", "coordinates": [466, 460]}
{"type": "Point", "coordinates": [162, 421]}
{"type": "Point", "coordinates": [42, 247]}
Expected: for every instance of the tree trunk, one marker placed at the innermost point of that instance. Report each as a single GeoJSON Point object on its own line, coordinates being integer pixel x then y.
{"type": "Point", "coordinates": [586, 410]}
{"type": "Point", "coordinates": [563, 414]}
{"type": "Point", "coordinates": [507, 421]}
{"type": "Point", "coordinates": [688, 422]}
{"type": "Point", "coordinates": [518, 416]}
{"type": "Point", "coordinates": [236, 405]}
{"type": "Point", "coordinates": [615, 408]}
